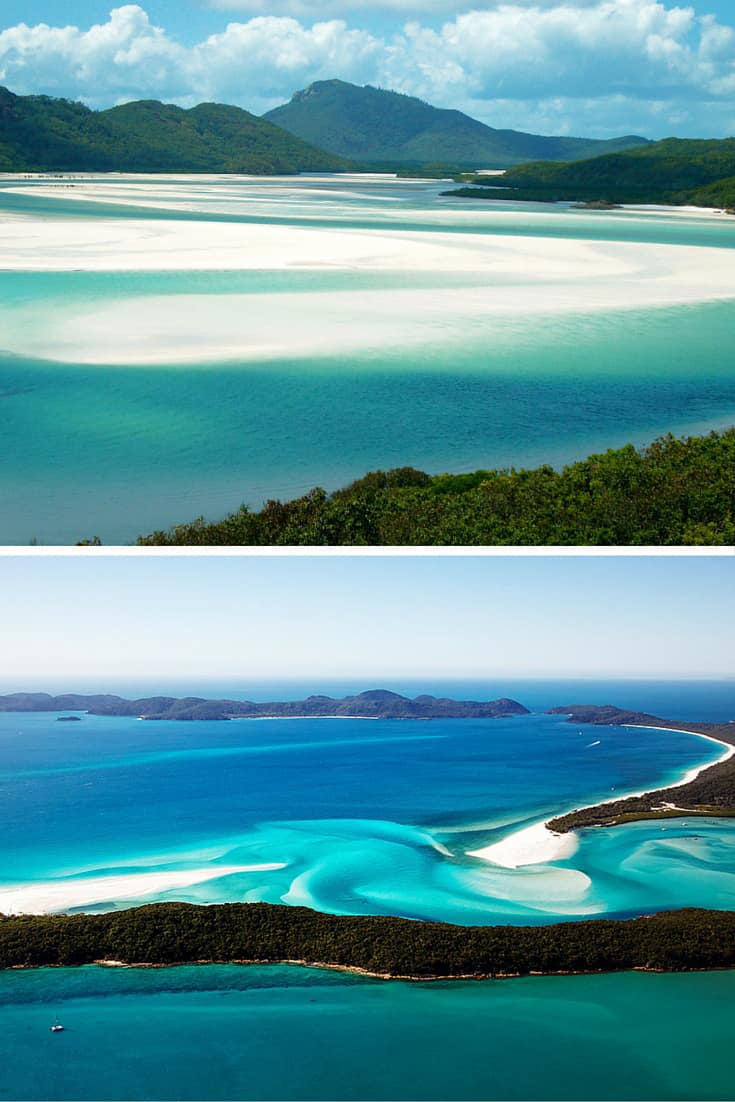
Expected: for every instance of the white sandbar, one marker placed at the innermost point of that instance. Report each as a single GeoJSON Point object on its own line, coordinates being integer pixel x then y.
{"type": "Point", "coordinates": [537, 844]}
{"type": "Point", "coordinates": [52, 896]}
{"type": "Point", "coordinates": [534, 845]}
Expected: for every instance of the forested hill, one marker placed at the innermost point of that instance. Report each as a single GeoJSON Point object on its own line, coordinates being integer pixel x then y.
{"type": "Point", "coordinates": [374, 704]}
{"type": "Point", "coordinates": [179, 933]}
{"type": "Point", "coordinates": [372, 124]}
{"type": "Point", "coordinates": [42, 134]}
{"type": "Point", "coordinates": [674, 171]}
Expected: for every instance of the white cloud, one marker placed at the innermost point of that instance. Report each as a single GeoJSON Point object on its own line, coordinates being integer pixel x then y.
{"type": "Point", "coordinates": [599, 66]}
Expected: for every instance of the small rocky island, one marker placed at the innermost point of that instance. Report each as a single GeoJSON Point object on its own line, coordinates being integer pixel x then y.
{"type": "Point", "coordinates": [374, 704]}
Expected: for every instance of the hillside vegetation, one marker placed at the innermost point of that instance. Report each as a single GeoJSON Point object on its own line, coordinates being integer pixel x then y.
{"type": "Point", "coordinates": [43, 134]}
{"type": "Point", "coordinates": [672, 492]}
{"type": "Point", "coordinates": [674, 171]}
{"type": "Point", "coordinates": [373, 124]}
{"type": "Point", "coordinates": [168, 933]}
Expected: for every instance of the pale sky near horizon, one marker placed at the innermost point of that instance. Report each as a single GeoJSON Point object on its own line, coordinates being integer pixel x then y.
{"type": "Point", "coordinates": [589, 67]}
{"type": "Point", "coordinates": [139, 616]}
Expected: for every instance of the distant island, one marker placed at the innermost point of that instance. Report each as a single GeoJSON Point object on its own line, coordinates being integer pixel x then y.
{"type": "Point", "coordinates": [389, 948]}
{"type": "Point", "coordinates": [389, 129]}
{"type": "Point", "coordinates": [674, 172]}
{"type": "Point", "coordinates": [373, 704]}
{"type": "Point", "coordinates": [675, 491]}
{"type": "Point", "coordinates": [711, 792]}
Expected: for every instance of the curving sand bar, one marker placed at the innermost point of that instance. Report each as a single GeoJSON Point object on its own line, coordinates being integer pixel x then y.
{"type": "Point", "coordinates": [52, 896]}
{"type": "Point", "coordinates": [537, 845]}
{"type": "Point", "coordinates": [491, 284]}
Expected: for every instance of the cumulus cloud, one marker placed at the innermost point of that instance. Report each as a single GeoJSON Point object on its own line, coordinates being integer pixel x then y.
{"type": "Point", "coordinates": [590, 66]}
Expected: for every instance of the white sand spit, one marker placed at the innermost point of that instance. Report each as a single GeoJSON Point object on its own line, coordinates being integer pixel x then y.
{"type": "Point", "coordinates": [537, 844]}
{"type": "Point", "coordinates": [52, 896]}
{"type": "Point", "coordinates": [534, 845]}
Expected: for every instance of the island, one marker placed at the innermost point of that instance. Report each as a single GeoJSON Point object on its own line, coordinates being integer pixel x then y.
{"type": "Point", "coordinates": [711, 792]}
{"type": "Point", "coordinates": [373, 704]}
{"type": "Point", "coordinates": [161, 934]}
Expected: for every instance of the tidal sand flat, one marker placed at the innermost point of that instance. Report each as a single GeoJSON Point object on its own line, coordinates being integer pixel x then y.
{"type": "Point", "coordinates": [172, 348]}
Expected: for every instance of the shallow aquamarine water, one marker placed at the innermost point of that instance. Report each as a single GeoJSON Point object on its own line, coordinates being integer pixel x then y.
{"type": "Point", "coordinates": [116, 450]}
{"type": "Point", "coordinates": [367, 817]}
{"type": "Point", "coordinates": [361, 816]}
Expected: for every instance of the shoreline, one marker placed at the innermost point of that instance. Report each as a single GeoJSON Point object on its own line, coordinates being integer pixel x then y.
{"type": "Point", "coordinates": [355, 970]}
{"type": "Point", "coordinates": [538, 844]}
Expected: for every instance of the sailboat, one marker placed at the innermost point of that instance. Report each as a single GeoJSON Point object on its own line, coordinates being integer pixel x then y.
{"type": "Point", "coordinates": [57, 1027]}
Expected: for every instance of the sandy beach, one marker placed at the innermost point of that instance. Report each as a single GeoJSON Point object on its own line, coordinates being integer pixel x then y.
{"type": "Point", "coordinates": [537, 845]}
{"type": "Point", "coordinates": [53, 896]}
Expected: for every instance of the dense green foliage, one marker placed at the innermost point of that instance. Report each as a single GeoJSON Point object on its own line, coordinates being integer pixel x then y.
{"type": "Point", "coordinates": [375, 703]}
{"type": "Point", "coordinates": [675, 492]}
{"type": "Point", "coordinates": [712, 792]}
{"type": "Point", "coordinates": [673, 171]}
{"type": "Point", "coordinates": [372, 124]}
{"type": "Point", "coordinates": [167, 933]}
{"type": "Point", "coordinates": [41, 134]}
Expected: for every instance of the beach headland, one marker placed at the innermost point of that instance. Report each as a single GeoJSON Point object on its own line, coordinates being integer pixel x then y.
{"type": "Point", "coordinates": [707, 790]}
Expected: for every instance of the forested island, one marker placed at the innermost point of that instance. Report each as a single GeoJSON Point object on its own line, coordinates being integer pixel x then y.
{"type": "Point", "coordinates": [712, 792]}
{"type": "Point", "coordinates": [373, 704]}
{"type": "Point", "coordinates": [673, 492]}
{"type": "Point", "coordinates": [675, 171]}
{"type": "Point", "coordinates": [183, 933]}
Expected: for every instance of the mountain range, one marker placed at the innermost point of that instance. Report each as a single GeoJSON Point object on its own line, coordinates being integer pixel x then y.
{"type": "Point", "coordinates": [43, 134]}
{"type": "Point", "coordinates": [332, 126]}
{"type": "Point", "coordinates": [372, 124]}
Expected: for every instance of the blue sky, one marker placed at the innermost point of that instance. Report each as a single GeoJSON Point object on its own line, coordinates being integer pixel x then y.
{"type": "Point", "coordinates": [596, 67]}
{"type": "Point", "coordinates": [123, 618]}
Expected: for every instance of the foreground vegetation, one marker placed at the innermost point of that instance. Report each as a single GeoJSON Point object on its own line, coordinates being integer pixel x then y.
{"type": "Point", "coordinates": [177, 933]}
{"type": "Point", "coordinates": [712, 792]}
{"type": "Point", "coordinates": [674, 171]}
{"type": "Point", "coordinates": [675, 492]}
{"type": "Point", "coordinates": [43, 134]}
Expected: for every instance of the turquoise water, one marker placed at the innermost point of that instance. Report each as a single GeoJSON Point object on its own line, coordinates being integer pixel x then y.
{"type": "Point", "coordinates": [361, 817]}
{"type": "Point", "coordinates": [226, 1032]}
{"type": "Point", "coordinates": [118, 450]}
{"type": "Point", "coordinates": [356, 816]}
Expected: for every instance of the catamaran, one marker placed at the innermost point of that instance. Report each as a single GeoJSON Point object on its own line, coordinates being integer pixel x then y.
{"type": "Point", "coordinates": [57, 1027]}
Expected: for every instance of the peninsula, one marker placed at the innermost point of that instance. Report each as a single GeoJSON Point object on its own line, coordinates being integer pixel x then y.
{"type": "Point", "coordinates": [675, 171]}
{"type": "Point", "coordinates": [710, 792]}
{"type": "Point", "coordinates": [374, 704]}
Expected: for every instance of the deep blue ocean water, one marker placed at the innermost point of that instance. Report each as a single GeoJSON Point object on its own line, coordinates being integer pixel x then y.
{"type": "Point", "coordinates": [360, 816]}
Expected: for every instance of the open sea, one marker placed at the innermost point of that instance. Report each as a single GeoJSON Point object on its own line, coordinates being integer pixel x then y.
{"type": "Point", "coordinates": [360, 817]}
{"type": "Point", "coordinates": [395, 371]}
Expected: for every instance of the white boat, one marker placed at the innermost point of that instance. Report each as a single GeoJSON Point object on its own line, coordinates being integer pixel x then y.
{"type": "Point", "coordinates": [57, 1027]}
